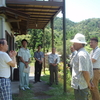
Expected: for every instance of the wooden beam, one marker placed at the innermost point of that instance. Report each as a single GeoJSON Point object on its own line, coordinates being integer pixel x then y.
{"type": "Point", "coordinates": [12, 11]}
{"type": "Point", "coordinates": [38, 11]}
{"type": "Point", "coordinates": [15, 29]}
{"type": "Point", "coordinates": [28, 8]}
{"type": "Point", "coordinates": [13, 20]}
{"type": "Point", "coordinates": [41, 17]}
{"type": "Point", "coordinates": [31, 2]}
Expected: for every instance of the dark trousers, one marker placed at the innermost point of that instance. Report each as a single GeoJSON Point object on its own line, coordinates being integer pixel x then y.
{"type": "Point", "coordinates": [53, 74]}
{"type": "Point", "coordinates": [81, 94]}
{"type": "Point", "coordinates": [38, 68]}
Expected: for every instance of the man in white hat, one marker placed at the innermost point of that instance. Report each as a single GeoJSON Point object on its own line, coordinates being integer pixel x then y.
{"type": "Point", "coordinates": [82, 70]}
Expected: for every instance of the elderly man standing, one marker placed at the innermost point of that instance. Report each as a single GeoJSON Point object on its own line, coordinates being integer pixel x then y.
{"type": "Point", "coordinates": [53, 66]}
{"type": "Point", "coordinates": [5, 62]}
{"type": "Point", "coordinates": [82, 70]}
{"type": "Point", "coordinates": [95, 57]}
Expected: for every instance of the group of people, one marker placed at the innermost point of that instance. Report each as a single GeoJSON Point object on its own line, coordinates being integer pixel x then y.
{"type": "Point", "coordinates": [85, 67]}
{"type": "Point", "coordinates": [9, 59]}
{"type": "Point", "coordinates": [24, 58]}
{"type": "Point", "coordinates": [53, 60]}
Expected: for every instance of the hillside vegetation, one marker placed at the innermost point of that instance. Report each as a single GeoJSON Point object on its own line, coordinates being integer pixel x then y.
{"type": "Point", "coordinates": [90, 28]}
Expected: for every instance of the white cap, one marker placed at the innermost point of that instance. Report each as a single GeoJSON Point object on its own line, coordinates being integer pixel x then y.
{"type": "Point", "coordinates": [79, 38]}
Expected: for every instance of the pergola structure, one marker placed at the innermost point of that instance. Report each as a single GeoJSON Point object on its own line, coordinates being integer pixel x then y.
{"type": "Point", "coordinates": [39, 13]}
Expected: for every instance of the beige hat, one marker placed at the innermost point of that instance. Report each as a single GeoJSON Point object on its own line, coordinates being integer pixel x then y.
{"type": "Point", "coordinates": [79, 38]}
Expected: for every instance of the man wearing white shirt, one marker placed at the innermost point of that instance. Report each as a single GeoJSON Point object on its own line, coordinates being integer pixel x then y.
{"type": "Point", "coordinates": [5, 62]}
{"type": "Point", "coordinates": [82, 70]}
{"type": "Point", "coordinates": [24, 56]}
{"type": "Point", "coordinates": [53, 66]}
{"type": "Point", "coordinates": [95, 58]}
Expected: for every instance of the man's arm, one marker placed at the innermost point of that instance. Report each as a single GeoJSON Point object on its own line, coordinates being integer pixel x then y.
{"type": "Point", "coordinates": [21, 59]}
{"type": "Point", "coordinates": [93, 60]}
{"type": "Point", "coordinates": [12, 54]}
{"type": "Point", "coordinates": [87, 78]}
{"type": "Point", "coordinates": [12, 63]}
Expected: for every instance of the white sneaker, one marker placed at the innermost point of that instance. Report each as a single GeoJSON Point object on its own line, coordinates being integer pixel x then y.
{"type": "Point", "coordinates": [27, 88]}
{"type": "Point", "coordinates": [22, 88]}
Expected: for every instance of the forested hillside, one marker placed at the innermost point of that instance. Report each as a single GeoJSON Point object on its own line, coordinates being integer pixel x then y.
{"type": "Point", "coordinates": [89, 27]}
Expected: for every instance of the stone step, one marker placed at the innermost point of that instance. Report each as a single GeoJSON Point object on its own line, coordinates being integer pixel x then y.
{"type": "Point", "coordinates": [15, 87]}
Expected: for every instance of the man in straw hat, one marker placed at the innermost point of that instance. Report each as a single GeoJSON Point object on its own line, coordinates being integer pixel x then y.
{"type": "Point", "coordinates": [82, 70]}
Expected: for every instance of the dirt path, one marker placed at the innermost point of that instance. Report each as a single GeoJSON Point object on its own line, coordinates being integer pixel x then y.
{"type": "Point", "coordinates": [39, 89]}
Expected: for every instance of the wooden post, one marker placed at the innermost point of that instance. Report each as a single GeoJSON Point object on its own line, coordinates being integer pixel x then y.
{"type": "Point", "coordinates": [64, 45]}
{"type": "Point", "coordinates": [52, 30]}
{"type": "Point", "coordinates": [44, 48]}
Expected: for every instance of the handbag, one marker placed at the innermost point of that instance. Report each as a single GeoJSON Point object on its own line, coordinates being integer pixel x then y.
{"type": "Point", "coordinates": [26, 70]}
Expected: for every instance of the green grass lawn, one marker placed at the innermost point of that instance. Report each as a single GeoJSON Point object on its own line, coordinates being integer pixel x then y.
{"type": "Point", "coordinates": [58, 91]}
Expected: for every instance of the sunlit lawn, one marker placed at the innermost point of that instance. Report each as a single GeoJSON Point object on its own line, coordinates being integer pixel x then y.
{"type": "Point", "coordinates": [58, 91]}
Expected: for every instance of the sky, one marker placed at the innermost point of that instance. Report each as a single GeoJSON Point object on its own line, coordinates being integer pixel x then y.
{"type": "Point", "coordinates": [79, 10]}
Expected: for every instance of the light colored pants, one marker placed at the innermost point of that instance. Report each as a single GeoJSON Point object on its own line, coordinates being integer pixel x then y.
{"type": "Point", "coordinates": [23, 77]}
{"type": "Point", "coordinates": [95, 91]}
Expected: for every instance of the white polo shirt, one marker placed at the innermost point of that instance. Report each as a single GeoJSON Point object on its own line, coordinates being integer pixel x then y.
{"type": "Point", "coordinates": [24, 53]}
{"type": "Point", "coordinates": [95, 54]}
{"type": "Point", "coordinates": [4, 67]}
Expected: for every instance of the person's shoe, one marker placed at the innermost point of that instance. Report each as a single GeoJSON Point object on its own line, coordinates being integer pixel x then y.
{"type": "Point", "coordinates": [22, 88]}
{"type": "Point", "coordinates": [39, 81]}
{"type": "Point", "coordinates": [27, 88]}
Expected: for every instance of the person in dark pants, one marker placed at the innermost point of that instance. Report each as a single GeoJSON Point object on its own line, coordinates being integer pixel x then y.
{"type": "Point", "coordinates": [38, 55]}
{"type": "Point", "coordinates": [53, 66]}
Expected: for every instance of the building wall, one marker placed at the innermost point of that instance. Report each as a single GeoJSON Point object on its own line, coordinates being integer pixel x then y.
{"type": "Point", "coordinates": [8, 28]}
{"type": "Point", "coordinates": [5, 32]}
{"type": "Point", "coordinates": [2, 3]}
{"type": "Point", "coordinates": [4, 26]}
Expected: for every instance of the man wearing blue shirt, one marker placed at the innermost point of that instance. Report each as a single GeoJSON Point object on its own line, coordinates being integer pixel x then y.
{"type": "Point", "coordinates": [38, 55]}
